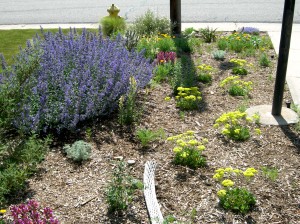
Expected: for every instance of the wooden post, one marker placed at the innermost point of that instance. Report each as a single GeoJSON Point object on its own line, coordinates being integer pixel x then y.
{"type": "Point", "coordinates": [284, 47]}
{"type": "Point", "coordinates": [175, 16]}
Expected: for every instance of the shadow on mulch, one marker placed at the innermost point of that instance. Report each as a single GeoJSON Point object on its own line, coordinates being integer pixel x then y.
{"type": "Point", "coordinates": [292, 135]}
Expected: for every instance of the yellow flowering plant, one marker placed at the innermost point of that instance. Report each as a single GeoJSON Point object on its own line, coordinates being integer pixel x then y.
{"type": "Point", "coordinates": [188, 98]}
{"type": "Point", "coordinates": [235, 86]}
{"type": "Point", "coordinates": [236, 125]}
{"type": "Point", "coordinates": [236, 199]}
{"type": "Point", "coordinates": [240, 66]}
{"type": "Point", "coordinates": [204, 73]}
{"type": "Point", "coordinates": [188, 149]}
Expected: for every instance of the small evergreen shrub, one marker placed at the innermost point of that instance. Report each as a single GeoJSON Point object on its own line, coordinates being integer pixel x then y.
{"type": "Point", "coordinates": [78, 151]}
{"type": "Point", "coordinates": [264, 60]}
{"type": "Point", "coordinates": [219, 55]}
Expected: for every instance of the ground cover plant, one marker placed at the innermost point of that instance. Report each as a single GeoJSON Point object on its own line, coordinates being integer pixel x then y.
{"type": "Point", "coordinates": [78, 192]}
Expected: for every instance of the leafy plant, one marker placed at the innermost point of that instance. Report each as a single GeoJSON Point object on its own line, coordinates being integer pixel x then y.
{"type": "Point", "coordinates": [121, 189]}
{"type": "Point", "coordinates": [78, 151]}
{"type": "Point", "coordinates": [188, 150]}
{"type": "Point", "coordinates": [149, 24]}
{"type": "Point", "coordinates": [188, 98]}
{"type": "Point", "coordinates": [128, 112]}
{"type": "Point", "coordinates": [19, 161]}
{"type": "Point", "coordinates": [270, 172]}
{"type": "Point", "coordinates": [146, 136]}
{"type": "Point", "coordinates": [208, 34]}
{"type": "Point", "coordinates": [219, 55]}
{"type": "Point", "coordinates": [235, 86]}
{"type": "Point", "coordinates": [264, 60]}
{"type": "Point", "coordinates": [112, 25]}
{"type": "Point", "coordinates": [64, 87]}
{"type": "Point", "coordinates": [236, 199]}
{"type": "Point", "coordinates": [236, 125]}
{"type": "Point", "coordinates": [162, 71]}
{"type": "Point", "coordinates": [32, 213]}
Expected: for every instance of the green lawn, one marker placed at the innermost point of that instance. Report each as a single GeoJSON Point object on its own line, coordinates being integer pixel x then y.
{"type": "Point", "coordinates": [11, 40]}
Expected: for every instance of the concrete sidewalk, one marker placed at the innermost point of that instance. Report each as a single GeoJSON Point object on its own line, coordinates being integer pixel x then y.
{"type": "Point", "coordinates": [273, 29]}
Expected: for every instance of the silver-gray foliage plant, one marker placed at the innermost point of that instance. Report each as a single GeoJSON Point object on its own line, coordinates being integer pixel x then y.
{"type": "Point", "coordinates": [78, 151]}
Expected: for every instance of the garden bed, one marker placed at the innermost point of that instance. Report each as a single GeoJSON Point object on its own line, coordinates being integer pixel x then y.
{"type": "Point", "coordinates": [76, 192]}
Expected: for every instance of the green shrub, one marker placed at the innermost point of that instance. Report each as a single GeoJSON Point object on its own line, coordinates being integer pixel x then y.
{"type": "Point", "coordinates": [78, 151]}
{"type": "Point", "coordinates": [205, 73]}
{"type": "Point", "coordinates": [112, 25]}
{"type": "Point", "coordinates": [238, 200]}
{"type": "Point", "coordinates": [146, 136]}
{"type": "Point", "coordinates": [121, 189]}
{"type": "Point", "coordinates": [149, 24]}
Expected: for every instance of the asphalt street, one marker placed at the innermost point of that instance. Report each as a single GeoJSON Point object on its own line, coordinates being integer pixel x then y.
{"type": "Point", "coordinates": [90, 11]}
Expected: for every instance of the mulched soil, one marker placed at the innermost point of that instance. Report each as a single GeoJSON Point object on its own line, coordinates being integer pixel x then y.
{"type": "Point", "coordinates": [76, 192]}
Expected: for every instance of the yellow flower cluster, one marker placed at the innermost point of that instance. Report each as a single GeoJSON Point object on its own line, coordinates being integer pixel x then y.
{"type": "Point", "coordinates": [167, 98]}
{"type": "Point", "coordinates": [221, 172]}
{"type": "Point", "coordinates": [236, 80]}
{"type": "Point", "coordinates": [187, 140]}
{"type": "Point", "coordinates": [227, 183]}
{"type": "Point", "coordinates": [164, 35]}
{"type": "Point", "coordinates": [205, 68]}
{"type": "Point", "coordinates": [189, 94]}
{"type": "Point", "coordinates": [240, 62]}
{"type": "Point", "coordinates": [2, 211]}
{"type": "Point", "coordinates": [221, 193]}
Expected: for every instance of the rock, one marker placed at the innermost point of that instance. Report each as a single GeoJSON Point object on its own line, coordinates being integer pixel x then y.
{"type": "Point", "coordinates": [131, 162]}
{"type": "Point", "coordinates": [119, 158]}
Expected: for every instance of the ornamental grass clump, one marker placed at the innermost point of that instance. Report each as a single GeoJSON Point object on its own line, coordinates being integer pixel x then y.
{"type": "Point", "coordinates": [188, 98]}
{"type": "Point", "coordinates": [188, 150]}
{"type": "Point", "coordinates": [236, 199]}
{"type": "Point", "coordinates": [237, 125]}
{"type": "Point", "coordinates": [235, 86]}
{"type": "Point", "coordinates": [204, 72]}
{"type": "Point", "coordinates": [240, 66]}
{"type": "Point", "coordinates": [65, 79]}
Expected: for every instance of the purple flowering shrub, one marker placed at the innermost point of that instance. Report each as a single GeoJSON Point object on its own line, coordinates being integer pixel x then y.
{"type": "Point", "coordinates": [77, 77]}
{"type": "Point", "coordinates": [249, 30]}
{"type": "Point", "coordinates": [30, 213]}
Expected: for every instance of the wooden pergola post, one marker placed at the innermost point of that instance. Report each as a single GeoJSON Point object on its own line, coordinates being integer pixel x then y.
{"type": "Point", "coordinates": [175, 16]}
{"type": "Point", "coordinates": [283, 55]}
